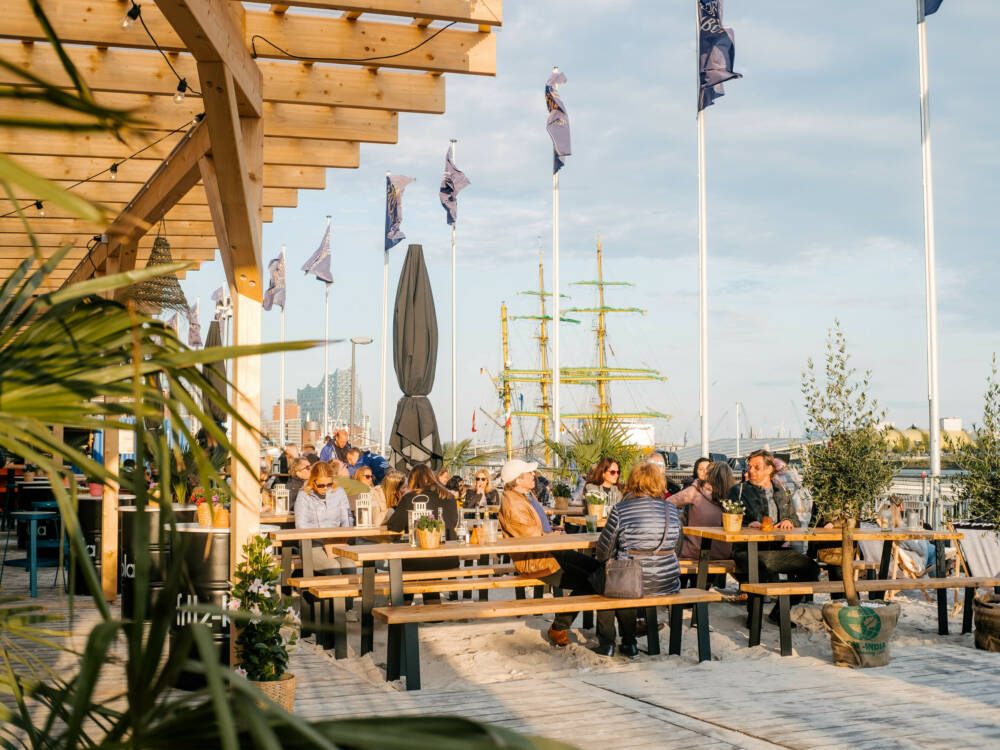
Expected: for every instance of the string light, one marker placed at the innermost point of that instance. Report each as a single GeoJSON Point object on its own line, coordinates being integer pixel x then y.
{"type": "Point", "coordinates": [131, 15]}
{"type": "Point", "coordinates": [114, 170]}
{"type": "Point", "coordinates": [181, 88]}
{"type": "Point", "coordinates": [40, 207]}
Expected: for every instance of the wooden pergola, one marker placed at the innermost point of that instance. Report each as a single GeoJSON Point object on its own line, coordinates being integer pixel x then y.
{"type": "Point", "coordinates": [273, 95]}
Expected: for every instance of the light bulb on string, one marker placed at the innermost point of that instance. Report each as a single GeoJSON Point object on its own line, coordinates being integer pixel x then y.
{"type": "Point", "coordinates": [131, 15]}
{"type": "Point", "coordinates": [114, 170]}
{"type": "Point", "coordinates": [181, 88]}
{"type": "Point", "coordinates": [40, 207]}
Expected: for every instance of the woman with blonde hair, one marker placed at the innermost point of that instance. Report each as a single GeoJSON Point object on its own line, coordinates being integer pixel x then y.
{"type": "Point", "coordinates": [644, 526]}
{"type": "Point", "coordinates": [481, 494]}
{"type": "Point", "coordinates": [386, 496]}
{"type": "Point", "coordinates": [320, 504]}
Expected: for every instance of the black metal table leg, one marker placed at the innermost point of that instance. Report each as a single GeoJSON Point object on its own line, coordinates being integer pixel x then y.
{"type": "Point", "coordinates": [411, 656]}
{"type": "Point", "coordinates": [883, 568]}
{"type": "Point", "coordinates": [338, 624]}
{"type": "Point", "coordinates": [652, 632]}
{"type": "Point", "coordinates": [286, 563]}
{"type": "Point", "coordinates": [970, 595]}
{"type": "Point", "coordinates": [367, 603]}
{"type": "Point", "coordinates": [942, 594]}
{"type": "Point", "coordinates": [785, 620]}
{"type": "Point", "coordinates": [704, 559]}
{"type": "Point", "coordinates": [676, 629]}
{"type": "Point", "coordinates": [756, 602]}
{"type": "Point", "coordinates": [588, 620]}
{"type": "Point", "coordinates": [704, 632]}
{"type": "Point", "coordinates": [396, 632]}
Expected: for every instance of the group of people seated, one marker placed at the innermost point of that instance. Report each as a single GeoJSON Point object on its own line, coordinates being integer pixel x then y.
{"type": "Point", "coordinates": [644, 522]}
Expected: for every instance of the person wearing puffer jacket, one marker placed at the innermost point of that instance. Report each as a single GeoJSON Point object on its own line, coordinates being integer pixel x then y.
{"type": "Point", "coordinates": [642, 522]}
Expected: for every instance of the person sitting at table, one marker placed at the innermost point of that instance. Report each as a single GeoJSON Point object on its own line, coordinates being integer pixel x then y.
{"type": "Point", "coordinates": [481, 494]}
{"type": "Point", "coordinates": [603, 480]}
{"type": "Point", "coordinates": [321, 505]}
{"type": "Point", "coordinates": [703, 501]}
{"type": "Point", "coordinates": [761, 495]}
{"type": "Point", "coordinates": [356, 459]}
{"type": "Point", "coordinates": [642, 522]}
{"type": "Point", "coordinates": [298, 476]}
{"type": "Point", "coordinates": [386, 496]}
{"type": "Point", "coordinates": [521, 515]}
{"type": "Point", "coordinates": [423, 486]}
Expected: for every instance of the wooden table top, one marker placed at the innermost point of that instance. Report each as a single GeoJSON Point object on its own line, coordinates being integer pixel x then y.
{"type": "Point", "coordinates": [579, 510]}
{"type": "Point", "coordinates": [816, 534]}
{"type": "Point", "coordinates": [277, 517]}
{"type": "Point", "coordinates": [547, 543]}
{"type": "Point", "coordinates": [339, 532]}
{"type": "Point", "coordinates": [582, 521]}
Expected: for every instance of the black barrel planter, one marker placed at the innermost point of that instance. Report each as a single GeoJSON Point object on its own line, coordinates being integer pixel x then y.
{"type": "Point", "coordinates": [159, 555]}
{"type": "Point", "coordinates": [206, 557]}
{"type": "Point", "coordinates": [89, 513]}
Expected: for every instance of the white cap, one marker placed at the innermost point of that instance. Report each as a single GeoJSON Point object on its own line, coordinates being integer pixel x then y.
{"type": "Point", "coordinates": [513, 469]}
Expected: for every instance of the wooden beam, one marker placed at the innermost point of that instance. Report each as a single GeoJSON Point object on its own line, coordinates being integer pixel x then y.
{"type": "Point", "coordinates": [276, 8]}
{"type": "Point", "coordinates": [237, 154]}
{"type": "Point", "coordinates": [210, 34]}
{"type": "Point", "coordinates": [489, 12]}
{"type": "Point", "coordinates": [162, 113]}
{"type": "Point", "coordinates": [144, 72]}
{"type": "Point", "coordinates": [308, 36]}
{"type": "Point", "coordinates": [71, 227]}
{"type": "Point", "coordinates": [288, 151]}
{"type": "Point", "coordinates": [179, 212]}
{"type": "Point", "coordinates": [109, 519]}
{"type": "Point", "coordinates": [283, 197]}
{"type": "Point", "coordinates": [11, 242]}
{"type": "Point", "coordinates": [11, 256]}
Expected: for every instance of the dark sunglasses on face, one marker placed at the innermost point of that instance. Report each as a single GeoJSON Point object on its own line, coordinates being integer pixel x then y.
{"type": "Point", "coordinates": [324, 486]}
{"type": "Point", "coordinates": [366, 476]}
{"type": "Point", "coordinates": [612, 472]}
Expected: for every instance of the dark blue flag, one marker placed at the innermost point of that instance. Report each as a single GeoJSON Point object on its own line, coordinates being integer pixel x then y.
{"type": "Point", "coordinates": [717, 51]}
{"type": "Point", "coordinates": [319, 262]}
{"type": "Point", "coordinates": [558, 122]}
{"type": "Point", "coordinates": [394, 187]}
{"type": "Point", "coordinates": [453, 183]}
{"type": "Point", "coordinates": [275, 294]}
{"type": "Point", "coordinates": [931, 6]}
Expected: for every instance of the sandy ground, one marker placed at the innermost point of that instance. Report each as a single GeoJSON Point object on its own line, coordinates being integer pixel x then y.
{"type": "Point", "coordinates": [484, 652]}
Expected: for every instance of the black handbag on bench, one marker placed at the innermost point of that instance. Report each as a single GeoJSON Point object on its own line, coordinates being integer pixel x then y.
{"type": "Point", "coordinates": [622, 579]}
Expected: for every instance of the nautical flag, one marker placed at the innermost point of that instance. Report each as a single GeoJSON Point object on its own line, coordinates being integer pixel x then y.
{"type": "Point", "coordinates": [319, 262]}
{"type": "Point", "coordinates": [194, 326]}
{"type": "Point", "coordinates": [506, 419]}
{"type": "Point", "coordinates": [558, 122]}
{"type": "Point", "coordinates": [717, 52]}
{"type": "Point", "coordinates": [174, 323]}
{"type": "Point", "coordinates": [275, 294]}
{"type": "Point", "coordinates": [473, 420]}
{"type": "Point", "coordinates": [453, 183]}
{"type": "Point", "coordinates": [931, 6]}
{"type": "Point", "coordinates": [394, 187]}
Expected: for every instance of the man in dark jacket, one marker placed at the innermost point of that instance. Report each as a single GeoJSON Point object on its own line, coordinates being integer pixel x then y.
{"type": "Point", "coordinates": [762, 496]}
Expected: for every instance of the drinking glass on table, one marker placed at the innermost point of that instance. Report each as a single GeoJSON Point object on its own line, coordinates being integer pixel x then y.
{"type": "Point", "coordinates": [591, 524]}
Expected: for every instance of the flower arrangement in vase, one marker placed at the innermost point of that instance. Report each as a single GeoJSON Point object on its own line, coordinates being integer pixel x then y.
{"type": "Point", "coordinates": [732, 515]}
{"type": "Point", "coordinates": [428, 531]}
{"type": "Point", "coordinates": [267, 628]}
{"type": "Point", "coordinates": [596, 505]}
{"type": "Point", "coordinates": [212, 505]}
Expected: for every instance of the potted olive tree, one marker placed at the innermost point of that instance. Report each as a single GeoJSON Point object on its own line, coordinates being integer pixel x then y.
{"type": "Point", "coordinates": [979, 486]}
{"type": "Point", "coordinates": [845, 474]}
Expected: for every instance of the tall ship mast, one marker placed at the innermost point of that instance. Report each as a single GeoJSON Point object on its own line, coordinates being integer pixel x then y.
{"type": "Point", "coordinates": [599, 377]}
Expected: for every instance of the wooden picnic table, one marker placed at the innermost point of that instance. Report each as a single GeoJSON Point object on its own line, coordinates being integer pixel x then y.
{"type": "Point", "coordinates": [754, 537]}
{"type": "Point", "coordinates": [339, 533]}
{"type": "Point", "coordinates": [394, 554]}
{"type": "Point", "coordinates": [577, 510]}
{"type": "Point", "coordinates": [582, 521]}
{"type": "Point", "coordinates": [277, 518]}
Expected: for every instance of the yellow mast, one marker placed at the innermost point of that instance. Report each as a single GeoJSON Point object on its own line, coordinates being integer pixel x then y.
{"type": "Point", "coordinates": [507, 437]}
{"type": "Point", "coordinates": [603, 407]}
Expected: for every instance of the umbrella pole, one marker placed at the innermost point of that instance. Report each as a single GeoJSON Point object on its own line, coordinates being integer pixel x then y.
{"type": "Point", "coordinates": [326, 366]}
{"type": "Point", "coordinates": [702, 256]}
{"type": "Point", "coordinates": [385, 323]}
{"type": "Point", "coordinates": [281, 401]}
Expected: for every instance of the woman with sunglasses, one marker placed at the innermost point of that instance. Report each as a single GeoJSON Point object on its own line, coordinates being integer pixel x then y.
{"type": "Point", "coordinates": [604, 480]}
{"type": "Point", "coordinates": [481, 494]}
{"type": "Point", "coordinates": [299, 475]}
{"type": "Point", "coordinates": [320, 504]}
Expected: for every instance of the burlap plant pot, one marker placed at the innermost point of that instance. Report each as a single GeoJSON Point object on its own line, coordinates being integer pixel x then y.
{"type": "Point", "coordinates": [986, 620]}
{"type": "Point", "coordinates": [859, 636]}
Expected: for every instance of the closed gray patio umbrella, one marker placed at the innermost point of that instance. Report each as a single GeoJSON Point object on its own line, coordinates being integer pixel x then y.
{"type": "Point", "coordinates": [414, 438]}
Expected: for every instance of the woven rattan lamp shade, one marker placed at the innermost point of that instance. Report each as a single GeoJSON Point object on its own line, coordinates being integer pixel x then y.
{"type": "Point", "coordinates": [164, 291]}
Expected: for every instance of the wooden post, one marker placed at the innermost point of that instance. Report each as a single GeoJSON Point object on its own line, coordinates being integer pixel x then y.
{"type": "Point", "coordinates": [109, 520]}
{"type": "Point", "coordinates": [245, 513]}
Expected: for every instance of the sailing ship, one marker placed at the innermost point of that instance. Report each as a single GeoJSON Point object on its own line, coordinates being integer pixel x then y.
{"type": "Point", "coordinates": [598, 377]}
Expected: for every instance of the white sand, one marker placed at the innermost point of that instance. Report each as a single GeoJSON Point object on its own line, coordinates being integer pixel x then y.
{"type": "Point", "coordinates": [492, 651]}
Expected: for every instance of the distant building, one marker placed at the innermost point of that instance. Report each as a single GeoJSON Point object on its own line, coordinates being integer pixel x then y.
{"type": "Point", "coordinates": [310, 401]}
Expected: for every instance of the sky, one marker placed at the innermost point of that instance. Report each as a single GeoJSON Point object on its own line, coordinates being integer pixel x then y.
{"type": "Point", "coordinates": [814, 213]}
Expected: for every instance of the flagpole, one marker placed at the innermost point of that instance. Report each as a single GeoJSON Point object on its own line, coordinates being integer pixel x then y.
{"type": "Point", "coordinates": [556, 372]}
{"type": "Point", "coordinates": [385, 329]}
{"type": "Point", "coordinates": [326, 356]}
{"type": "Point", "coordinates": [281, 400]}
{"type": "Point", "coordinates": [454, 328]}
{"type": "Point", "coordinates": [930, 265]}
{"type": "Point", "coordinates": [702, 251]}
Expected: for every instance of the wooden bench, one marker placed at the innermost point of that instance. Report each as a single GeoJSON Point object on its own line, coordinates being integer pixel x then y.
{"type": "Point", "coordinates": [332, 627]}
{"type": "Point", "coordinates": [403, 649]}
{"type": "Point", "coordinates": [715, 567]}
{"type": "Point", "coordinates": [783, 590]}
{"type": "Point", "coordinates": [353, 579]}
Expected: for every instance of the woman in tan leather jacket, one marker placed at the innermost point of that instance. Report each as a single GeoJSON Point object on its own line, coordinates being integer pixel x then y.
{"type": "Point", "coordinates": [521, 515]}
